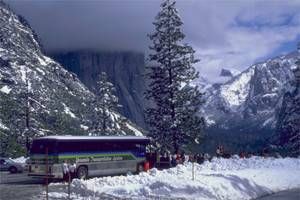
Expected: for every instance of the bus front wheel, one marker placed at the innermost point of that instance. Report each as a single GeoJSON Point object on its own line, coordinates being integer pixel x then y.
{"type": "Point", "coordinates": [82, 172]}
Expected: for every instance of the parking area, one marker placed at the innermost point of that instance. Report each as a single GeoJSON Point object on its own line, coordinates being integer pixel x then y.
{"type": "Point", "coordinates": [17, 178]}
{"type": "Point", "coordinates": [20, 186]}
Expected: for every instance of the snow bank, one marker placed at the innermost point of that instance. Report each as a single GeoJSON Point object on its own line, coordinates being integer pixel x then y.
{"type": "Point", "coordinates": [5, 89]}
{"type": "Point", "coordinates": [220, 179]}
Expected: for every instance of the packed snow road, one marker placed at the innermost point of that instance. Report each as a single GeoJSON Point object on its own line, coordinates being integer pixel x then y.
{"type": "Point", "coordinates": [21, 187]}
{"type": "Point", "coordinates": [18, 186]}
{"type": "Point", "coordinates": [293, 194]}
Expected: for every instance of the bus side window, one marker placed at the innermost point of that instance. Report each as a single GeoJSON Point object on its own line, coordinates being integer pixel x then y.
{"type": "Point", "coordinates": [140, 148]}
{"type": "Point", "coordinates": [94, 147]}
{"type": "Point", "coordinates": [55, 150]}
{"type": "Point", "coordinates": [97, 146]}
{"type": "Point", "coordinates": [89, 147]}
{"type": "Point", "coordinates": [104, 146]}
{"type": "Point", "coordinates": [115, 147]}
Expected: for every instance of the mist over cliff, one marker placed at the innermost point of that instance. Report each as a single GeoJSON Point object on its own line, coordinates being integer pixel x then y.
{"type": "Point", "coordinates": [124, 69]}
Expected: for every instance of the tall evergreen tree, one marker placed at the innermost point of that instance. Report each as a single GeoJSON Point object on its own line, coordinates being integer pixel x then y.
{"type": "Point", "coordinates": [30, 110]}
{"type": "Point", "coordinates": [22, 111]}
{"type": "Point", "coordinates": [173, 116]}
{"type": "Point", "coordinates": [106, 103]}
{"type": "Point", "coordinates": [9, 134]}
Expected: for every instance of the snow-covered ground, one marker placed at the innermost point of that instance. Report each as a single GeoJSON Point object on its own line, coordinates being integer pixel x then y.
{"type": "Point", "coordinates": [219, 179]}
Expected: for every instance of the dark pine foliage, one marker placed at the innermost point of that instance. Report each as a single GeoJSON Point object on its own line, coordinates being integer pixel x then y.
{"type": "Point", "coordinates": [105, 104]}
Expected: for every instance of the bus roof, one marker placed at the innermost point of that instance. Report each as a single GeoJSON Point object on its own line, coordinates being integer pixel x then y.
{"type": "Point", "coordinates": [104, 138]}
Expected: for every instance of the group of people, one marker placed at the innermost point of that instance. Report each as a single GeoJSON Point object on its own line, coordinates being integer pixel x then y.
{"type": "Point", "coordinates": [201, 157]}
{"type": "Point", "coordinates": [69, 170]}
{"type": "Point", "coordinates": [178, 158]}
{"type": "Point", "coordinates": [265, 152]}
{"type": "Point", "coordinates": [166, 159]}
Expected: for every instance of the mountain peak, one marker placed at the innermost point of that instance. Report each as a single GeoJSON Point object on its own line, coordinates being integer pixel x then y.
{"type": "Point", "coordinates": [229, 72]}
{"type": "Point", "coordinates": [248, 103]}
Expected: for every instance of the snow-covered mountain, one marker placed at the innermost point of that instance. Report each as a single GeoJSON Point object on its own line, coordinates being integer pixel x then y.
{"type": "Point", "coordinates": [62, 101]}
{"type": "Point", "coordinates": [246, 106]}
{"type": "Point", "coordinates": [288, 123]}
{"type": "Point", "coordinates": [202, 83]}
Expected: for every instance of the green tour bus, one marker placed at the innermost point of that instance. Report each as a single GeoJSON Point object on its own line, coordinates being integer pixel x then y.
{"type": "Point", "coordinates": [92, 155]}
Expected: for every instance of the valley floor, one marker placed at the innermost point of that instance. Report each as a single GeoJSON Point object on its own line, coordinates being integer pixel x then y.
{"type": "Point", "coordinates": [232, 179]}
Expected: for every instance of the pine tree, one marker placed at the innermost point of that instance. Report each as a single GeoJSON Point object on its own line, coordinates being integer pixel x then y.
{"type": "Point", "coordinates": [9, 118]}
{"type": "Point", "coordinates": [21, 111]}
{"type": "Point", "coordinates": [173, 118]}
{"type": "Point", "coordinates": [106, 103]}
{"type": "Point", "coordinates": [28, 125]}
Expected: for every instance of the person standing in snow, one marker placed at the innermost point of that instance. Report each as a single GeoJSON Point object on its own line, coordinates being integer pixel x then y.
{"type": "Point", "coordinates": [178, 158]}
{"type": "Point", "coordinates": [196, 157]}
{"type": "Point", "coordinates": [173, 160]}
{"type": "Point", "coordinates": [182, 156]}
{"type": "Point", "coordinates": [72, 170]}
{"type": "Point", "coordinates": [170, 159]}
{"type": "Point", "coordinates": [186, 158]}
{"type": "Point", "coordinates": [66, 172]}
{"type": "Point", "coordinates": [220, 151]}
{"type": "Point", "coordinates": [207, 157]}
{"type": "Point", "coordinates": [200, 158]}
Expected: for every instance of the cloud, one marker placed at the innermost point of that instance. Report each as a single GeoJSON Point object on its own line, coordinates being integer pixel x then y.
{"type": "Point", "coordinates": [243, 47]}
{"type": "Point", "coordinates": [250, 33]}
{"type": "Point", "coordinates": [228, 33]}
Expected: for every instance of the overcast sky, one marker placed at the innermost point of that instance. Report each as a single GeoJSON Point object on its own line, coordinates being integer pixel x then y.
{"type": "Point", "coordinates": [225, 34]}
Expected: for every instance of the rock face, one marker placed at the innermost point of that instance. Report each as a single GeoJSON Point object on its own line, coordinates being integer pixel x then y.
{"type": "Point", "coordinates": [229, 72]}
{"type": "Point", "coordinates": [60, 103]}
{"type": "Point", "coordinates": [124, 69]}
{"type": "Point", "coordinates": [288, 123]}
{"type": "Point", "coordinates": [243, 111]}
